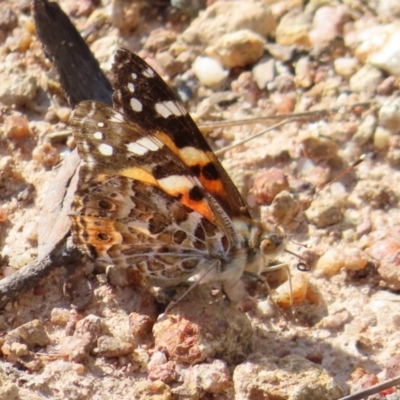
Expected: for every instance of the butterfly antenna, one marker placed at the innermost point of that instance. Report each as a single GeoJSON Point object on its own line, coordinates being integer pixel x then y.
{"type": "Point", "coordinates": [220, 152]}
{"type": "Point", "coordinates": [302, 265]}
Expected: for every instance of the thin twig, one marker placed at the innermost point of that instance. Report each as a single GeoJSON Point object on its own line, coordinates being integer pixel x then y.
{"type": "Point", "coordinates": [373, 389]}
{"type": "Point", "coordinates": [294, 116]}
{"type": "Point", "coordinates": [28, 276]}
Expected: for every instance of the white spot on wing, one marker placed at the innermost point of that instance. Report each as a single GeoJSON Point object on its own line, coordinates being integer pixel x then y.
{"type": "Point", "coordinates": [133, 75]}
{"type": "Point", "coordinates": [131, 87]}
{"type": "Point", "coordinates": [149, 73]}
{"type": "Point", "coordinates": [85, 147]}
{"type": "Point", "coordinates": [168, 108]}
{"type": "Point", "coordinates": [116, 117]}
{"type": "Point", "coordinates": [151, 142]}
{"type": "Point", "coordinates": [106, 149]}
{"type": "Point", "coordinates": [144, 144]}
{"type": "Point", "coordinates": [98, 135]}
{"type": "Point", "coordinates": [137, 149]}
{"type": "Point", "coordinates": [176, 183]}
{"type": "Point", "coordinates": [136, 105]}
{"type": "Point", "coordinates": [193, 156]}
{"type": "Point", "coordinates": [100, 124]}
{"type": "Point", "coordinates": [90, 160]}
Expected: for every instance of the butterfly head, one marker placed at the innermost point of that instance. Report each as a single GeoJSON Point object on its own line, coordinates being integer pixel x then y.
{"type": "Point", "coordinates": [262, 243]}
{"type": "Point", "coordinates": [271, 243]}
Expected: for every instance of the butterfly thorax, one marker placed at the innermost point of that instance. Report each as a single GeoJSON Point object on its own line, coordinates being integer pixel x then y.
{"type": "Point", "coordinates": [259, 242]}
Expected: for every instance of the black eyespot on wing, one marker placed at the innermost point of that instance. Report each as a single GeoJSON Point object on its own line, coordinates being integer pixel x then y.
{"type": "Point", "coordinates": [210, 172]}
{"type": "Point", "coordinates": [103, 236]}
{"type": "Point", "coordinates": [196, 194]}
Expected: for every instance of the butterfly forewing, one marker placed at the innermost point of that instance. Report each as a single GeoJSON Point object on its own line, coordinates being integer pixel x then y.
{"type": "Point", "coordinates": [110, 143]}
{"type": "Point", "coordinates": [141, 94]}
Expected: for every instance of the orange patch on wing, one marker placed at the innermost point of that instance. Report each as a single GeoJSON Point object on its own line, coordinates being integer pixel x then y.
{"type": "Point", "coordinates": [167, 141]}
{"type": "Point", "coordinates": [138, 174]}
{"type": "Point", "coordinates": [99, 232]}
{"type": "Point", "coordinates": [201, 206]}
{"type": "Point", "coordinates": [214, 186]}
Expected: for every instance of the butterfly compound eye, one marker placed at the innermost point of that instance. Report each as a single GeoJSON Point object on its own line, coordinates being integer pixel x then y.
{"type": "Point", "coordinates": [271, 243]}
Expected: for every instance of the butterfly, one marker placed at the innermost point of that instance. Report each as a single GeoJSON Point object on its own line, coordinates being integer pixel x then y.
{"type": "Point", "coordinates": [153, 196]}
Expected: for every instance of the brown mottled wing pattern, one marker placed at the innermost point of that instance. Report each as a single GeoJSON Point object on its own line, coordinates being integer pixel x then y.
{"type": "Point", "coordinates": [141, 94]}
{"type": "Point", "coordinates": [124, 222]}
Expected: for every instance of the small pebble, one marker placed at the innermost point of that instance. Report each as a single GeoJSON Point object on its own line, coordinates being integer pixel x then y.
{"type": "Point", "coordinates": [163, 372]}
{"type": "Point", "coordinates": [293, 29]}
{"type": "Point", "coordinates": [160, 38]}
{"type": "Point", "coordinates": [333, 260]}
{"type": "Point", "coordinates": [209, 72]}
{"type": "Point", "coordinates": [82, 8]}
{"type": "Point", "coordinates": [328, 23]}
{"type": "Point", "coordinates": [19, 349]}
{"type": "Point", "coordinates": [388, 86]}
{"type": "Point", "coordinates": [381, 138]}
{"type": "Point", "coordinates": [212, 377]}
{"type": "Point", "coordinates": [140, 325]}
{"type": "Point", "coordinates": [224, 17]}
{"type": "Point", "coordinates": [346, 66]}
{"type": "Point", "coordinates": [305, 73]}
{"type": "Point", "coordinates": [293, 291]}
{"type": "Point", "coordinates": [335, 321]}
{"type": "Point", "coordinates": [46, 154]}
{"type": "Point", "coordinates": [20, 40]}
{"type": "Point", "coordinates": [63, 113]}
{"type": "Point", "coordinates": [16, 127]}
{"type": "Point", "coordinates": [324, 212]}
{"type": "Point", "coordinates": [125, 14]}
{"type": "Point", "coordinates": [302, 379]}
{"type": "Point", "coordinates": [319, 148]}
{"type": "Point", "coordinates": [8, 18]}
{"type": "Point", "coordinates": [108, 346]}
{"type": "Point", "coordinates": [393, 154]}
{"type": "Point", "coordinates": [366, 80]}
{"type": "Point", "coordinates": [60, 316]}
{"type": "Point", "coordinates": [366, 130]}
{"type": "Point", "coordinates": [389, 116]}
{"type": "Point", "coordinates": [386, 252]}
{"type": "Point", "coordinates": [16, 89]}
{"type": "Point", "coordinates": [237, 49]}
{"type": "Point", "coordinates": [267, 184]}
{"type": "Point", "coordinates": [282, 206]}
{"type": "Point", "coordinates": [283, 103]}
{"type": "Point", "coordinates": [264, 72]}
{"type": "Point", "coordinates": [387, 57]}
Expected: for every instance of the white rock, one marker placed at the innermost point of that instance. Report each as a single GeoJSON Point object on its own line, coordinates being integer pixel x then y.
{"type": "Point", "coordinates": [238, 49]}
{"type": "Point", "coordinates": [209, 72]}
{"type": "Point", "coordinates": [381, 138]}
{"type": "Point", "coordinates": [229, 16]}
{"type": "Point", "coordinates": [366, 80]}
{"type": "Point", "coordinates": [346, 66]}
{"type": "Point", "coordinates": [264, 72]}
{"type": "Point", "coordinates": [388, 58]}
{"type": "Point", "coordinates": [389, 116]}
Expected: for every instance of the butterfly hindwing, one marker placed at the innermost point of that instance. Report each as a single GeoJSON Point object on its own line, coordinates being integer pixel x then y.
{"type": "Point", "coordinates": [122, 221]}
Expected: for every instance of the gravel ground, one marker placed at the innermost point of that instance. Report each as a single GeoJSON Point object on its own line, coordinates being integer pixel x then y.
{"type": "Point", "coordinates": [87, 334]}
